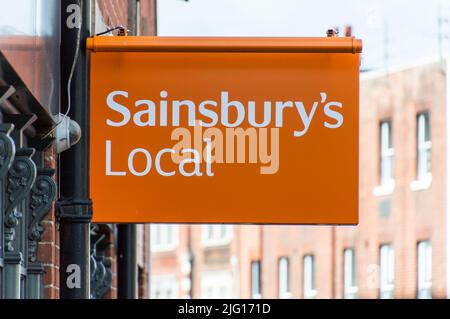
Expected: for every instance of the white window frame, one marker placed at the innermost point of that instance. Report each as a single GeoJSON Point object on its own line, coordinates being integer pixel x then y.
{"type": "Point", "coordinates": [387, 182]}
{"type": "Point", "coordinates": [284, 289]}
{"type": "Point", "coordinates": [256, 278]}
{"type": "Point", "coordinates": [164, 287]}
{"type": "Point", "coordinates": [217, 284]}
{"type": "Point", "coordinates": [216, 235]}
{"type": "Point", "coordinates": [309, 277]}
{"type": "Point", "coordinates": [387, 271]}
{"type": "Point", "coordinates": [350, 282]}
{"type": "Point", "coordinates": [424, 176]}
{"type": "Point", "coordinates": [138, 17]}
{"type": "Point", "coordinates": [424, 269]}
{"type": "Point", "coordinates": [165, 237]}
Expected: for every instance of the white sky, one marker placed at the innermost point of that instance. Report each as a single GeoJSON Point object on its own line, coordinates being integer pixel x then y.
{"type": "Point", "coordinates": [403, 30]}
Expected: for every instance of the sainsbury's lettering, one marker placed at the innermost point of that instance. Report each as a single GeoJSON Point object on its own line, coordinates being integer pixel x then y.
{"type": "Point", "coordinates": [212, 112]}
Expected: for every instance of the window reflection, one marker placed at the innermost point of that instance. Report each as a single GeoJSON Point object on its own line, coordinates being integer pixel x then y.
{"type": "Point", "coordinates": [29, 38]}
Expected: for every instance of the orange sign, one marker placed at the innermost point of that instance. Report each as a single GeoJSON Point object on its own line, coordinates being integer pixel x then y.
{"type": "Point", "coordinates": [224, 130]}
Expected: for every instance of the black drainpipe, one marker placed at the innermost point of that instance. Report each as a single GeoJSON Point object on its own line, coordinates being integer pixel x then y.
{"type": "Point", "coordinates": [74, 203]}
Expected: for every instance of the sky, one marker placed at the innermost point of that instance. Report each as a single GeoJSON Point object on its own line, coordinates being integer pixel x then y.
{"type": "Point", "coordinates": [394, 32]}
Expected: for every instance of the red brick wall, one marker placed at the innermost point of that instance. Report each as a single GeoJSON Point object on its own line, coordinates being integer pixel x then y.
{"type": "Point", "coordinates": [143, 274]}
{"type": "Point", "coordinates": [169, 262]}
{"type": "Point", "coordinates": [48, 249]}
{"type": "Point", "coordinates": [148, 17]}
{"type": "Point", "coordinates": [114, 13]}
{"type": "Point", "coordinates": [414, 215]}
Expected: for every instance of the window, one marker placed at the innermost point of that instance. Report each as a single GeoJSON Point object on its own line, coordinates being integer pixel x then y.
{"type": "Point", "coordinates": [424, 269]}
{"type": "Point", "coordinates": [423, 146]}
{"type": "Point", "coordinates": [350, 287]}
{"type": "Point", "coordinates": [423, 153]}
{"type": "Point", "coordinates": [283, 278]}
{"type": "Point", "coordinates": [386, 154]}
{"type": "Point", "coordinates": [164, 287]}
{"type": "Point", "coordinates": [256, 280]}
{"type": "Point", "coordinates": [386, 160]}
{"type": "Point", "coordinates": [164, 237]}
{"type": "Point", "coordinates": [217, 285]}
{"type": "Point", "coordinates": [387, 272]}
{"type": "Point", "coordinates": [138, 17]}
{"type": "Point", "coordinates": [216, 235]}
{"type": "Point", "coordinates": [309, 277]}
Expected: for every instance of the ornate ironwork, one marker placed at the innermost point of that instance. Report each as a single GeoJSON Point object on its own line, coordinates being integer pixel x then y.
{"type": "Point", "coordinates": [7, 148]}
{"type": "Point", "coordinates": [42, 195]}
{"type": "Point", "coordinates": [101, 273]}
{"type": "Point", "coordinates": [101, 278]}
{"type": "Point", "coordinates": [19, 180]}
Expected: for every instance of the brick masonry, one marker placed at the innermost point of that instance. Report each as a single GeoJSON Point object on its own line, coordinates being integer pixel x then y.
{"type": "Point", "coordinates": [412, 216]}
{"type": "Point", "coordinates": [114, 12]}
{"type": "Point", "coordinates": [48, 250]}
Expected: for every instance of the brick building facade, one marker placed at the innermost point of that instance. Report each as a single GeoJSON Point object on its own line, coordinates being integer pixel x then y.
{"type": "Point", "coordinates": [397, 251]}
{"type": "Point", "coordinates": [29, 95]}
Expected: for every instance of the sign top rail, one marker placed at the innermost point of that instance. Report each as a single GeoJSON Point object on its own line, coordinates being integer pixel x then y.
{"type": "Point", "coordinates": [225, 44]}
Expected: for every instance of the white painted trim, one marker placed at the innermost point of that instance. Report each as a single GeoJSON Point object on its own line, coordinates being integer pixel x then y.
{"type": "Point", "coordinates": [216, 280]}
{"type": "Point", "coordinates": [163, 284]}
{"type": "Point", "coordinates": [218, 241]}
{"type": "Point", "coordinates": [385, 189]}
{"type": "Point", "coordinates": [422, 183]}
{"type": "Point", "coordinates": [172, 243]}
